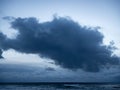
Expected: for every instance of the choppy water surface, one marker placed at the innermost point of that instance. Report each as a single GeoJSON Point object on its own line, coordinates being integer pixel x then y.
{"type": "Point", "coordinates": [60, 87]}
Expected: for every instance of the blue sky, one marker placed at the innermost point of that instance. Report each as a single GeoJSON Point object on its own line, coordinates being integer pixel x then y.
{"type": "Point", "coordinates": [93, 13]}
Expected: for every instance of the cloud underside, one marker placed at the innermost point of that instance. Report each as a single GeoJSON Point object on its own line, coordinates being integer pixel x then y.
{"type": "Point", "coordinates": [63, 40]}
{"type": "Point", "coordinates": [1, 54]}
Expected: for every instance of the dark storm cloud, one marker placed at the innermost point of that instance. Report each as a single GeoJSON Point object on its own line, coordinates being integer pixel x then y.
{"type": "Point", "coordinates": [1, 54]}
{"type": "Point", "coordinates": [2, 39]}
{"type": "Point", "coordinates": [63, 40]}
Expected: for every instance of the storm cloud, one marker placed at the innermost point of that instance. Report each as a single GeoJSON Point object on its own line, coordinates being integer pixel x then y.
{"type": "Point", "coordinates": [65, 41]}
{"type": "Point", "coordinates": [2, 39]}
{"type": "Point", "coordinates": [1, 54]}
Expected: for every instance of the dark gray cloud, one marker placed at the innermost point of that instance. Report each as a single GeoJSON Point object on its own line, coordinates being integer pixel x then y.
{"type": "Point", "coordinates": [50, 69]}
{"type": "Point", "coordinates": [1, 54]}
{"type": "Point", "coordinates": [63, 40]}
{"type": "Point", "coordinates": [2, 40]}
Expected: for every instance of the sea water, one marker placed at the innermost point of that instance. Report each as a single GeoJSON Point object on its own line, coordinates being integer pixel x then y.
{"type": "Point", "coordinates": [60, 87]}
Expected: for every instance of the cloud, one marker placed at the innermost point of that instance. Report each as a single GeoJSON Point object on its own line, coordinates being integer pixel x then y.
{"type": "Point", "coordinates": [9, 18]}
{"type": "Point", "coordinates": [63, 40]}
{"type": "Point", "coordinates": [18, 72]}
{"type": "Point", "coordinates": [50, 69]}
{"type": "Point", "coordinates": [2, 39]}
{"type": "Point", "coordinates": [1, 54]}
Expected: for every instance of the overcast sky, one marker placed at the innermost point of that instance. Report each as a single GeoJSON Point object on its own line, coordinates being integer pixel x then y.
{"type": "Point", "coordinates": [42, 38]}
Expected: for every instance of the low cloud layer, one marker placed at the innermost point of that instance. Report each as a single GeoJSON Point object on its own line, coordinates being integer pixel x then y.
{"type": "Point", "coordinates": [29, 73]}
{"type": "Point", "coordinates": [63, 40]}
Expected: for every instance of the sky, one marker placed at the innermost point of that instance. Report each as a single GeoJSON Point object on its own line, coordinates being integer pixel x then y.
{"type": "Point", "coordinates": [39, 39]}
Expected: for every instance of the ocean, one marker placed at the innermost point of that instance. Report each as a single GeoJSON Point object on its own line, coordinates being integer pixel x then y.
{"type": "Point", "coordinates": [59, 86]}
